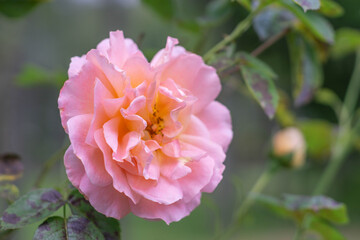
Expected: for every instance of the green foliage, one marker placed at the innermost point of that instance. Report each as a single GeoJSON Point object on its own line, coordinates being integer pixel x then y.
{"type": "Point", "coordinates": [31, 207]}
{"type": "Point", "coordinates": [82, 228]}
{"type": "Point", "coordinates": [77, 228]}
{"type": "Point", "coordinates": [326, 231]}
{"type": "Point", "coordinates": [317, 210]}
{"type": "Point", "coordinates": [306, 69]}
{"type": "Point", "coordinates": [164, 8]}
{"type": "Point", "coordinates": [331, 8]}
{"type": "Point", "coordinates": [347, 41]}
{"type": "Point", "coordinates": [318, 135]}
{"type": "Point", "coordinates": [308, 4]}
{"type": "Point", "coordinates": [328, 97]}
{"type": "Point", "coordinates": [9, 191]}
{"type": "Point", "coordinates": [52, 228]}
{"type": "Point", "coordinates": [18, 8]}
{"type": "Point", "coordinates": [33, 75]}
{"type": "Point", "coordinates": [319, 206]}
{"type": "Point", "coordinates": [259, 80]}
{"type": "Point", "coordinates": [216, 11]}
{"type": "Point", "coordinates": [245, 3]}
{"type": "Point", "coordinates": [314, 23]}
{"type": "Point", "coordinates": [271, 21]}
{"type": "Point", "coordinates": [109, 227]}
{"type": "Point", "coordinates": [11, 167]}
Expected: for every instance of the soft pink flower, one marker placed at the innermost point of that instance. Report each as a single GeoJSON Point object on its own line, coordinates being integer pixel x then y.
{"type": "Point", "coordinates": [146, 138]}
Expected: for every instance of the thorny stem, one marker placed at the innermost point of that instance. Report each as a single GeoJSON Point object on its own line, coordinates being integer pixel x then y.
{"type": "Point", "coordinates": [345, 135]}
{"type": "Point", "coordinates": [49, 164]}
{"type": "Point", "coordinates": [249, 200]}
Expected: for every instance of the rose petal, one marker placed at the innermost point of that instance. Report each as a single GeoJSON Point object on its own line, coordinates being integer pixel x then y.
{"type": "Point", "coordinates": [76, 65]}
{"type": "Point", "coordinates": [189, 72]}
{"type": "Point", "coordinates": [154, 190]}
{"type": "Point", "coordinates": [73, 102]}
{"type": "Point", "coordinates": [217, 119]}
{"type": "Point", "coordinates": [106, 200]}
{"type": "Point", "coordinates": [74, 168]}
{"type": "Point", "coordinates": [122, 49]}
{"type": "Point", "coordinates": [91, 157]}
{"type": "Point", "coordinates": [120, 182]}
{"type": "Point", "coordinates": [169, 213]}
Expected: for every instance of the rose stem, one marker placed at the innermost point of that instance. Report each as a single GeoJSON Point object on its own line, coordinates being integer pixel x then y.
{"type": "Point", "coordinates": [345, 134]}
{"type": "Point", "coordinates": [249, 200]}
{"type": "Point", "coordinates": [50, 162]}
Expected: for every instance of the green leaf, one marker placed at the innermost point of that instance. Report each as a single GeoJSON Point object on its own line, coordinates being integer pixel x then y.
{"type": "Point", "coordinates": [30, 208]}
{"type": "Point", "coordinates": [318, 135]}
{"type": "Point", "coordinates": [34, 75]}
{"type": "Point", "coordinates": [319, 206]}
{"type": "Point", "coordinates": [18, 8]}
{"type": "Point", "coordinates": [9, 191]}
{"type": "Point", "coordinates": [52, 228]}
{"type": "Point", "coordinates": [274, 205]}
{"type": "Point", "coordinates": [328, 97]}
{"type": "Point", "coordinates": [189, 25]}
{"type": "Point", "coordinates": [347, 41]}
{"type": "Point", "coordinates": [82, 228]}
{"type": "Point", "coordinates": [316, 24]}
{"type": "Point", "coordinates": [259, 80]}
{"type": "Point", "coordinates": [306, 69]}
{"type": "Point", "coordinates": [77, 228]}
{"type": "Point", "coordinates": [109, 227]}
{"type": "Point", "coordinates": [164, 8]}
{"type": "Point", "coordinates": [297, 207]}
{"type": "Point", "coordinates": [308, 4]}
{"type": "Point", "coordinates": [331, 8]}
{"type": "Point", "coordinates": [271, 21]}
{"type": "Point", "coordinates": [245, 3]}
{"type": "Point", "coordinates": [11, 167]}
{"type": "Point", "coordinates": [325, 230]}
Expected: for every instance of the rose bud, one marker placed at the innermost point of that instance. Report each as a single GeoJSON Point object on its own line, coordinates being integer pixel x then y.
{"type": "Point", "coordinates": [289, 147]}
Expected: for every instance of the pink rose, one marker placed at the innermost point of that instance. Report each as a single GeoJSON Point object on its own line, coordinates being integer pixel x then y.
{"type": "Point", "coordinates": [146, 138]}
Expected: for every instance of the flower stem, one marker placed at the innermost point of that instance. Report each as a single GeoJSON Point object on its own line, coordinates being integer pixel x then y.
{"type": "Point", "coordinates": [238, 31]}
{"type": "Point", "coordinates": [269, 42]}
{"type": "Point", "coordinates": [344, 137]}
{"type": "Point", "coordinates": [250, 199]}
{"type": "Point", "coordinates": [49, 164]}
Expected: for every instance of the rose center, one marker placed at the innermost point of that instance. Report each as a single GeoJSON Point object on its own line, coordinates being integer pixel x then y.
{"type": "Point", "coordinates": [156, 124]}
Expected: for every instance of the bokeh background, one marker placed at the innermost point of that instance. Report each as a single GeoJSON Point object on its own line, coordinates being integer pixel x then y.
{"type": "Point", "coordinates": [56, 31]}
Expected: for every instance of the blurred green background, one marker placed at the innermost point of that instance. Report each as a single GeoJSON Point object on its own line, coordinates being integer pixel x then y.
{"type": "Point", "coordinates": [56, 31]}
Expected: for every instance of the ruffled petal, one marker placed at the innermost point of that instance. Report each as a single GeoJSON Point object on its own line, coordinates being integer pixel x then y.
{"type": "Point", "coordinates": [91, 157]}
{"type": "Point", "coordinates": [74, 168]}
{"type": "Point", "coordinates": [154, 190]}
{"type": "Point", "coordinates": [121, 49]}
{"type": "Point", "coordinates": [73, 102]}
{"type": "Point", "coordinates": [190, 72]}
{"type": "Point", "coordinates": [118, 175]}
{"type": "Point", "coordinates": [217, 119]}
{"type": "Point", "coordinates": [168, 213]}
{"type": "Point", "coordinates": [75, 65]}
{"type": "Point", "coordinates": [106, 200]}
{"type": "Point", "coordinates": [171, 51]}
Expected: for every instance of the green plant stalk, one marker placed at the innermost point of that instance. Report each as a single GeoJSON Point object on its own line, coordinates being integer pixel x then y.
{"type": "Point", "coordinates": [345, 135]}
{"type": "Point", "coordinates": [49, 164]}
{"type": "Point", "coordinates": [299, 233]}
{"type": "Point", "coordinates": [237, 32]}
{"type": "Point", "coordinates": [352, 93]}
{"type": "Point", "coordinates": [249, 200]}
